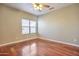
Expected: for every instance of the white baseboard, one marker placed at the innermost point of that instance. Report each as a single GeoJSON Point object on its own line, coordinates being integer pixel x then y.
{"type": "Point", "coordinates": [39, 38]}
{"type": "Point", "coordinates": [59, 41]}
{"type": "Point", "coordinates": [17, 41]}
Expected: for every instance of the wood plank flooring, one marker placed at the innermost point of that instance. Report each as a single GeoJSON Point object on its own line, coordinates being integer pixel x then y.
{"type": "Point", "coordinates": [39, 47]}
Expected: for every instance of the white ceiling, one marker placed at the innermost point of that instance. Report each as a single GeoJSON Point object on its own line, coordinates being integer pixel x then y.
{"type": "Point", "coordinates": [28, 7]}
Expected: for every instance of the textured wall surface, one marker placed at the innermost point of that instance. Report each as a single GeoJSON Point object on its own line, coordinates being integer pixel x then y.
{"type": "Point", "coordinates": [10, 24]}
{"type": "Point", "coordinates": [61, 25]}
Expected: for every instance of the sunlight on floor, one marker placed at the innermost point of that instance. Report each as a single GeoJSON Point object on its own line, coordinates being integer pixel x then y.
{"type": "Point", "coordinates": [29, 50]}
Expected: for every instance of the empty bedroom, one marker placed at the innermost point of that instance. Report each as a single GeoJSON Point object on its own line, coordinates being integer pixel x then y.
{"type": "Point", "coordinates": [39, 29]}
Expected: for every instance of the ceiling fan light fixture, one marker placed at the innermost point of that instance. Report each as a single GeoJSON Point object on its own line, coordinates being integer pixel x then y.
{"type": "Point", "coordinates": [38, 6]}
{"type": "Point", "coordinates": [34, 5]}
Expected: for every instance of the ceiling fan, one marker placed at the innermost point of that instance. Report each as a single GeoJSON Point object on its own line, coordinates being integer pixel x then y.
{"type": "Point", "coordinates": [41, 6]}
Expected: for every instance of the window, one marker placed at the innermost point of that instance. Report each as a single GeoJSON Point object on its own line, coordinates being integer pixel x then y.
{"type": "Point", "coordinates": [28, 26]}
{"type": "Point", "coordinates": [25, 26]}
{"type": "Point", "coordinates": [32, 27]}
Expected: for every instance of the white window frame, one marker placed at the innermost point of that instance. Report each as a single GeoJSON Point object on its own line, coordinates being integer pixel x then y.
{"type": "Point", "coordinates": [29, 26]}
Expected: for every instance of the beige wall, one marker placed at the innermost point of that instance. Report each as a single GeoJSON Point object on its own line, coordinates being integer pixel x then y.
{"type": "Point", "coordinates": [10, 24]}
{"type": "Point", "coordinates": [62, 24]}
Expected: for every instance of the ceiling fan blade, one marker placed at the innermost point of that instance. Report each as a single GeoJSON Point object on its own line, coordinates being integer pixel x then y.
{"type": "Point", "coordinates": [51, 8]}
{"type": "Point", "coordinates": [47, 6]}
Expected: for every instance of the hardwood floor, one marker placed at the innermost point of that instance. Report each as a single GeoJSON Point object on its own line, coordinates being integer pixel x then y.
{"type": "Point", "coordinates": [39, 47]}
